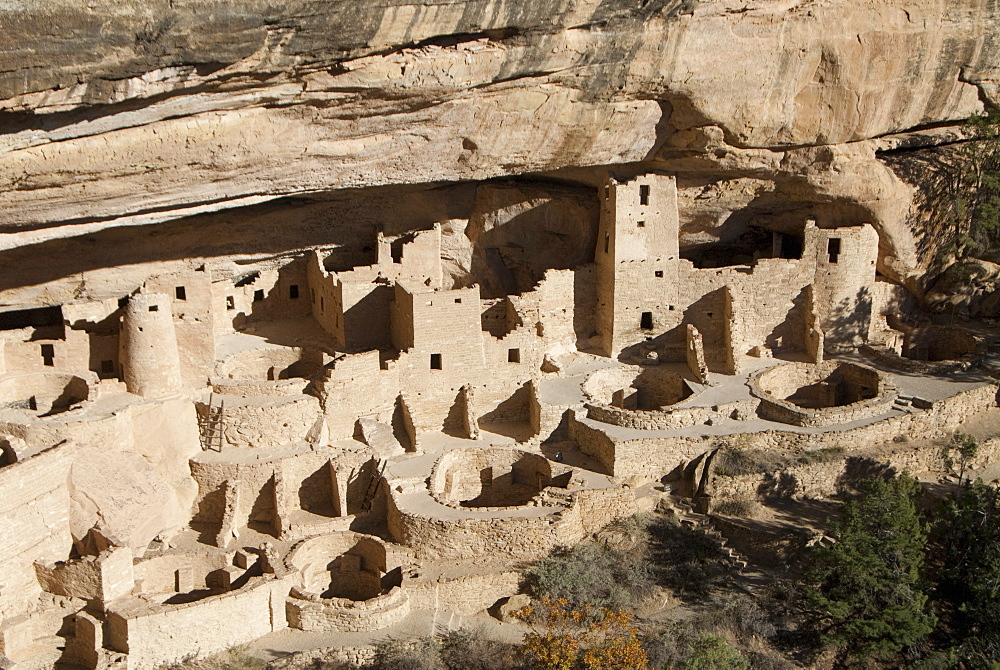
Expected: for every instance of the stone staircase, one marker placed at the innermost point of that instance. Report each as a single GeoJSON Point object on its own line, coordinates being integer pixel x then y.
{"type": "Point", "coordinates": [703, 522]}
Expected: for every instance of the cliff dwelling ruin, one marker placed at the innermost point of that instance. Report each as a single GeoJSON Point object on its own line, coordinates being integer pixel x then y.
{"type": "Point", "coordinates": [202, 452]}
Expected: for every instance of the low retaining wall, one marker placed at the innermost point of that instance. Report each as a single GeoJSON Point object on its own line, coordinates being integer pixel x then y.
{"type": "Point", "coordinates": [309, 612]}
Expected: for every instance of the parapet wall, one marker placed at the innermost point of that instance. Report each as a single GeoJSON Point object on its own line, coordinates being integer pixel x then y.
{"type": "Point", "coordinates": [162, 634]}
{"type": "Point", "coordinates": [34, 523]}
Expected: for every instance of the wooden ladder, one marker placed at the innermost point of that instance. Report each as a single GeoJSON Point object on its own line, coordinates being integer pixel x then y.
{"type": "Point", "coordinates": [210, 425]}
{"type": "Point", "coordinates": [373, 485]}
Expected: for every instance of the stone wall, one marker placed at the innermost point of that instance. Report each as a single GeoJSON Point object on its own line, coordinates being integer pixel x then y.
{"type": "Point", "coordinates": [465, 595]}
{"type": "Point", "coordinates": [34, 523]}
{"type": "Point", "coordinates": [340, 615]}
{"type": "Point", "coordinates": [651, 458]}
{"type": "Point", "coordinates": [158, 635]}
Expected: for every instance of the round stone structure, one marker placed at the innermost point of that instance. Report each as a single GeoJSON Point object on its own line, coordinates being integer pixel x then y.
{"type": "Point", "coordinates": [349, 583]}
{"type": "Point", "coordinates": [492, 478]}
{"type": "Point", "coordinates": [824, 394]}
{"type": "Point", "coordinates": [643, 398]}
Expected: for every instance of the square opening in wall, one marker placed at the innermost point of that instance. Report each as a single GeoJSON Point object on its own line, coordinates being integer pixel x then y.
{"type": "Point", "coordinates": [258, 295]}
{"type": "Point", "coordinates": [833, 248]}
{"type": "Point", "coordinates": [658, 273]}
{"type": "Point", "coordinates": [436, 362]}
{"type": "Point", "coordinates": [122, 301]}
{"type": "Point", "coordinates": [230, 302]}
{"type": "Point", "coordinates": [458, 301]}
{"type": "Point", "coordinates": [641, 224]}
{"type": "Point", "coordinates": [293, 291]}
{"type": "Point", "coordinates": [646, 321]}
{"type": "Point", "coordinates": [513, 355]}
{"type": "Point", "coordinates": [180, 293]}
{"type": "Point", "coordinates": [48, 355]}
{"type": "Point", "coordinates": [154, 308]}
{"type": "Point", "coordinates": [644, 194]}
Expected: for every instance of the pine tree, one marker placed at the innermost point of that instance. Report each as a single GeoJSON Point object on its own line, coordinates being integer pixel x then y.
{"type": "Point", "coordinates": [866, 588]}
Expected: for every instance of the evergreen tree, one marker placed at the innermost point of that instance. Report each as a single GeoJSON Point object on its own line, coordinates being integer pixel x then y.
{"type": "Point", "coordinates": [969, 530]}
{"type": "Point", "coordinates": [866, 587]}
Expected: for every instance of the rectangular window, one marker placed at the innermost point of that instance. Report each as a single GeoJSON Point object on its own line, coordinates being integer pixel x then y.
{"type": "Point", "coordinates": [230, 302]}
{"type": "Point", "coordinates": [293, 291]}
{"type": "Point", "coordinates": [48, 355]}
{"type": "Point", "coordinates": [154, 308]}
{"type": "Point", "coordinates": [180, 293]}
{"type": "Point", "coordinates": [436, 362]}
{"type": "Point", "coordinates": [322, 304]}
{"type": "Point", "coordinates": [258, 295]}
{"type": "Point", "coordinates": [607, 242]}
{"type": "Point", "coordinates": [122, 301]}
{"type": "Point", "coordinates": [312, 295]}
{"type": "Point", "coordinates": [641, 224]}
{"type": "Point", "coordinates": [107, 367]}
{"type": "Point", "coordinates": [607, 192]}
{"type": "Point", "coordinates": [833, 248]}
{"type": "Point", "coordinates": [646, 321]}
{"type": "Point", "coordinates": [658, 273]}
{"type": "Point", "coordinates": [458, 301]}
{"type": "Point", "coordinates": [513, 355]}
{"type": "Point", "coordinates": [644, 194]}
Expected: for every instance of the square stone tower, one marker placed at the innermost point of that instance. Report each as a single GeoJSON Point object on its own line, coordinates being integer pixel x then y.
{"type": "Point", "coordinates": [637, 261]}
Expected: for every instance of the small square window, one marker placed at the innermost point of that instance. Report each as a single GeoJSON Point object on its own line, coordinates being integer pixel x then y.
{"type": "Point", "coordinates": [293, 291]}
{"type": "Point", "coordinates": [230, 302]}
{"type": "Point", "coordinates": [180, 293]}
{"type": "Point", "coordinates": [513, 355]}
{"type": "Point", "coordinates": [258, 295]}
{"type": "Point", "coordinates": [436, 362]}
{"type": "Point", "coordinates": [458, 301]}
{"type": "Point", "coordinates": [641, 224]}
{"type": "Point", "coordinates": [658, 273]}
{"type": "Point", "coordinates": [122, 301]}
{"type": "Point", "coordinates": [154, 308]}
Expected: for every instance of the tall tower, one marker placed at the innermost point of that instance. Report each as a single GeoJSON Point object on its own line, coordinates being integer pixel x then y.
{"type": "Point", "coordinates": [637, 261]}
{"type": "Point", "coordinates": [148, 346]}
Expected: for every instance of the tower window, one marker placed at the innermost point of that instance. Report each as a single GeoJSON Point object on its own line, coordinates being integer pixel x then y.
{"type": "Point", "coordinates": [658, 273]}
{"type": "Point", "coordinates": [258, 295]}
{"type": "Point", "coordinates": [436, 362]}
{"type": "Point", "coordinates": [833, 248]}
{"type": "Point", "coordinates": [607, 192]}
{"type": "Point", "coordinates": [646, 321]}
{"type": "Point", "coordinates": [180, 293]}
{"type": "Point", "coordinates": [607, 242]}
{"type": "Point", "coordinates": [293, 291]}
{"type": "Point", "coordinates": [513, 355]}
{"type": "Point", "coordinates": [48, 355]}
{"type": "Point", "coordinates": [154, 308]}
{"type": "Point", "coordinates": [312, 295]}
{"type": "Point", "coordinates": [644, 194]}
{"type": "Point", "coordinates": [640, 224]}
{"type": "Point", "coordinates": [230, 302]}
{"type": "Point", "coordinates": [322, 304]}
{"type": "Point", "coordinates": [458, 301]}
{"type": "Point", "coordinates": [122, 301]}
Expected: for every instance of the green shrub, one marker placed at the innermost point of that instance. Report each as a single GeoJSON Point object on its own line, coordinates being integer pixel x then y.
{"type": "Point", "coordinates": [408, 654]}
{"type": "Point", "coordinates": [591, 573]}
{"type": "Point", "coordinates": [739, 507]}
{"type": "Point", "coordinates": [712, 652]}
{"type": "Point", "coordinates": [467, 649]}
{"type": "Point", "coordinates": [688, 560]}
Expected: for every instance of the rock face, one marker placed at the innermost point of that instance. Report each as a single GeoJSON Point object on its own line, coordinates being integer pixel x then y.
{"type": "Point", "coordinates": [157, 106]}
